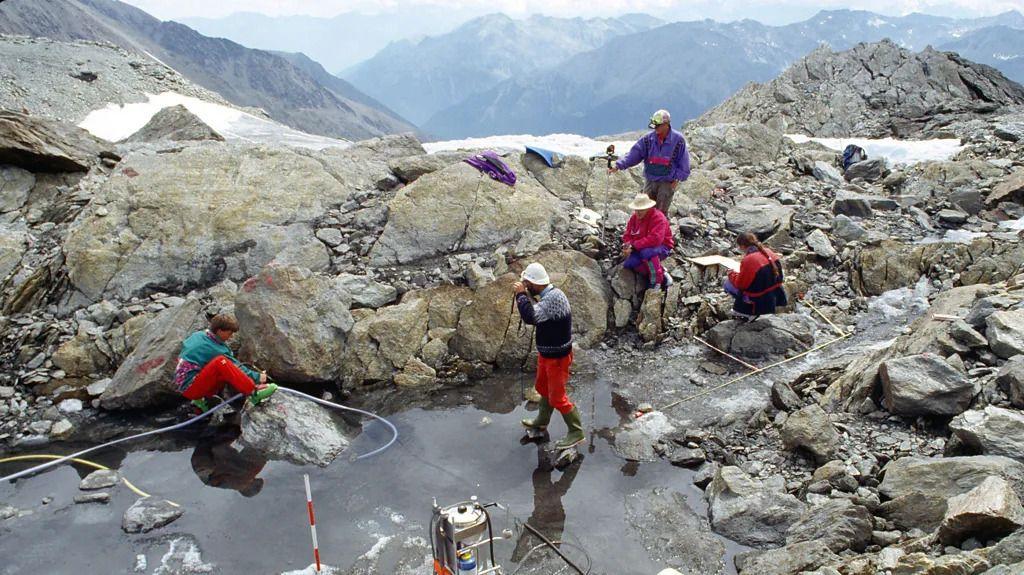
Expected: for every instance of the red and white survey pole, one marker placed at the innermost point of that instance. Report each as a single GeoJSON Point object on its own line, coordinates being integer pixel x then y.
{"type": "Point", "coordinates": [312, 522]}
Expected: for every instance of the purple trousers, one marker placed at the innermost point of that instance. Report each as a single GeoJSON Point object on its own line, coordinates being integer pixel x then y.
{"type": "Point", "coordinates": [647, 262]}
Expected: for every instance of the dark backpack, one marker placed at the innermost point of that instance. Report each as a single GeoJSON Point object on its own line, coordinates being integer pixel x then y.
{"type": "Point", "coordinates": [853, 154]}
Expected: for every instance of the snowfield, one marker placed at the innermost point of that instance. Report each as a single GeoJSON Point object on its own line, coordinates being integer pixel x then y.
{"type": "Point", "coordinates": [896, 151]}
{"type": "Point", "coordinates": [565, 144]}
{"type": "Point", "coordinates": [117, 122]}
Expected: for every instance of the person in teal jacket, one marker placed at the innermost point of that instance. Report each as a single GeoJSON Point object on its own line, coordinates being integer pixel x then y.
{"type": "Point", "coordinates": [206, 364]}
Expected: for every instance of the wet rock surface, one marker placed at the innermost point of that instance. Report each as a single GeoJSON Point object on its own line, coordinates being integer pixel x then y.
{"type": "Point", "coordinates": [293, 429]}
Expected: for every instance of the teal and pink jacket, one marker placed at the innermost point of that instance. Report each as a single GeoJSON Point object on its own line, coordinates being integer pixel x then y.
{"type": "Point", "coordinates": [197, 351]}
{"type": "Point", "coordinates": [664, 161]}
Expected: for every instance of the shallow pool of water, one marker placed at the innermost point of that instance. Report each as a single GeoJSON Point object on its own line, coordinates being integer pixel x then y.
{"type": "Point", "coordinates": [244, 515]}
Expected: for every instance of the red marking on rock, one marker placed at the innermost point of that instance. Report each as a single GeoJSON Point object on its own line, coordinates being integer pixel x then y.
{"type": "Point", "coordinates": [150, 364]}
{"type": "Point", "coordinates": [129, 172]}
{"type": "Point", "coordinates": [250, 284]}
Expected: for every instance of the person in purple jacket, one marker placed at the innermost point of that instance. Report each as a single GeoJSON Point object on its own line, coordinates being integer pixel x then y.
{"type": "Point", "coordinates": [666, 160]}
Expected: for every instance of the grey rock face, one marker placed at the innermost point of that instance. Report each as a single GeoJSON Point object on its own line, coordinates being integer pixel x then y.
{"type": "Point", "coordinates": [760, 216]}
{"type": "Point", "coordinates": [294, 429]}
{"type": "Point", "coordinates": [1011, 379]}
{"type": "Point", "coordinates": [15, 184]}
{"type": "Point", "coordinates": [826, 172]}
{"type": "Point", "coordinates": [99, 479]}
{"type": "Point", "coordinates": [848, 230]}
{"type": "Point", "coordinates": [40, 145]}
{"type": "Point", "coordinates": [175, 123]}
{"type": "Point", "coordinates": [918, 487]}
{"type": "Point", "coordinates": [1005, 333]}
{"type": "Point", "coordinates": [992, 431]}
{"type": "Point", "coordinates": [809, 428]}
{"type": "Point", "coordinates": [677, 536]}
{"type": "Point", "coordinates": [737, 143]}
{"type": "Point", "coordinates": [801, 557]}
{"type": "Point", "coordinates": [991, 509]}
{"type": "Point", "coordinates": [367, 292]}
{"type": "Point", "coordinates": [410, 168]}
{"type": "Point", "coordinates": [924, 385]}
{"type": "Point", "coordinates": [294, 323]}
{"type": "Point", "coordinates": [784, 398]}
{"type": "Point", "coordinates": [851, 204]}
{"type": "Point", "coordinates": [149, 513]}
{"type": "Point", "coordinates": [146, 377]}
{"type": "Point", "coordinates": [748, 512]}
{"type": "Point", "coordinates": [859, 91]}
{"type": "Point", "coordinates": [839, 524]}
{"type": "Point", "coordinates": [820, 244]}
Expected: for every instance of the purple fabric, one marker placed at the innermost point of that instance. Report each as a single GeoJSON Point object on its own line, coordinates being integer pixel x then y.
{"type": "Point", "coordinates": [638, 257]}
{"type": "Point", "coordinates": [491, 164]}
{"type": "Point", "coordinates": [648, 147]}
{"type": "Point", "coordinates": [730, 289]}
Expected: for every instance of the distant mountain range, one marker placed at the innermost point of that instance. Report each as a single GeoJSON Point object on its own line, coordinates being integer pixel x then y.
{"type": "Point", "coordinates": [687, 67]}
{"type": "Point", "coordinates": [417, 79]}
{"type": "Point", "coordinates": [293, 90]}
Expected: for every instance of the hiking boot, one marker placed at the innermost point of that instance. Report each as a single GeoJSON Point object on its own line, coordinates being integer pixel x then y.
{"type": "Point", "coordinates": [667, 282]}
{"type": "Point", "coordinates": [260, 394]}
{"type": "Point", "coordinates": [575, 436]}
{"type": "Point", "coordinates": [200, 405]}
{"type": "Point", "coordinates": [540, 422]}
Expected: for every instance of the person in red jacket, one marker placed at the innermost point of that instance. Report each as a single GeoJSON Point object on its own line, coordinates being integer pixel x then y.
{"type": "Point", "coordinates": [757, 287]}
{"type": "Point", "coordinates": [646, 241]}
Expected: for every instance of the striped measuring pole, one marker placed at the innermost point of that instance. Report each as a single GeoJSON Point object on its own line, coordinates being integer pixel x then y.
{"type": "Point", "coordinates": [312, 522]}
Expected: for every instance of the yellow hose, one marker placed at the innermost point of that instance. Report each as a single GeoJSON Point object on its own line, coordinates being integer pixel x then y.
{"type": "Point", "coordinates": [85, 462]}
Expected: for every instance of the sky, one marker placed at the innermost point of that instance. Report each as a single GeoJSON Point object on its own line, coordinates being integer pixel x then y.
{"type": "Point", "coordinates": [767, 11]}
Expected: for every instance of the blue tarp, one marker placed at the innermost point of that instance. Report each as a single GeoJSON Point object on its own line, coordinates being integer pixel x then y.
{"type": "Point", "coordinates": [550, 158]}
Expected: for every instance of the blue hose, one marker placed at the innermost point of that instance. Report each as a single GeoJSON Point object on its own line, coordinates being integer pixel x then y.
{"type": "Point", "coordinates": [55, 462]}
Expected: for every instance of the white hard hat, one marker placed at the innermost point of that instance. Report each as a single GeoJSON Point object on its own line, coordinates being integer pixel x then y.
{"type": "Point", "coordinates": [535, 274]}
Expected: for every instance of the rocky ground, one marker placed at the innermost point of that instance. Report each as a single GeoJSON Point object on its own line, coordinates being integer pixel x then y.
{"type": "Point", "coordinates": [380, 266]}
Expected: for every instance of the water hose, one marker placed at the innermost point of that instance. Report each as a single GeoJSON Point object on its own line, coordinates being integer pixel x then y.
{"type": "Point", "coordinates": [80, 461]}
{"type": "Point", "coordinates": [554, 548]}
{"type": "Point", "coordinates": [77, 455]}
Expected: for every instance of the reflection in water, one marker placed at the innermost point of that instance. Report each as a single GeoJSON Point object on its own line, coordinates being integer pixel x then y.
{"type": "Point", "coordinates": [218, 464]}
{"type": "Point", "coordinates": [548, 515]}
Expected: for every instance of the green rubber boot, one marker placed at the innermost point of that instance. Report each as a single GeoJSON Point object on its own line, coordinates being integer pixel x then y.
{"type": "Point", "coordinates": [201, 405]}
{"type": "Point", "coordinates": [543, 416]}
{"type": "Point", "coordinates": [575, 436]}
{"type": "Point", "coordinates": [261, 394]}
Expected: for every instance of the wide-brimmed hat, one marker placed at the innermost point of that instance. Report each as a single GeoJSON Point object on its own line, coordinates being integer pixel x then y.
{"type": "Point", "coordinates": [642, 202]}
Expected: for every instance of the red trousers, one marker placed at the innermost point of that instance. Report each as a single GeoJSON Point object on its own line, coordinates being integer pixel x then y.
{"type": "Point", "coordinates": [552, 375]}
{"type": "Point", "coordinates": [215, 375]}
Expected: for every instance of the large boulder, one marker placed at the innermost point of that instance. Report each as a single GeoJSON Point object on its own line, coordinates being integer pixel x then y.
{"type": "Point", "coordinates": [42, 145]}
{"type": "Point", "coordinates": [924, 384]}
{"type": "Point", "coordinates": [810, 429]}
{"type": "Point", "coordinates": [568, 180]}
{"type": "Point", "coordinates": [149, 513]}
{"type": "Point", "coordinates": [991, 431]}
{"type": "Point", "coordinates": [460, 208]}
{"type": "Point", "coordinates": [747, 511]}
{"type": "Point", "coordinates": [382, 343]}
{"type": "Point", "coordinates": [366, 291]}
{"type": "Point", "coordinates": [1005, 332]}
{"type": "Point", "coordinates": [992, 509]}
{"type": "Point", "coordinates": [742, 144]}
{"type": "Point", "coordinates": [146, 377]}
{"type": "Point", "coordinates": [409, 168]}
{"type": "Point", "coordinates": [1011, 379]}
{"type": "Point", "coordinates": [760, 216]}
{"type": "Point", "coordinates": [869, 170]}
{"type": "Point", "coordinates": [294, 323]}
{"type": "Point", "coordinates": [801, 557]}
{"type": "Point", "coordinates": [175, 123]}
{"type": "Point", "coordinates": [486, 332]}
{"type": "Point", "coordinates": [888, 264]}
{"type": "Point", "coordinates": [838, 523]}
{"type": "Point", "coordinates": [918, 487]}
{"type": "Point", "coordinates": [204, 214]}
{"type": "Point", "coordinates": [772, 335]}
{"type": "Point", "coordinates": [291, 428]}
{"type": "Point", "coordinates": [1011, 189]}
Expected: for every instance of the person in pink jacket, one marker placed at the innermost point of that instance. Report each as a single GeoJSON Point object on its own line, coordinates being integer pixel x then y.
{"type": "Point", "coordinates": [647, 241]}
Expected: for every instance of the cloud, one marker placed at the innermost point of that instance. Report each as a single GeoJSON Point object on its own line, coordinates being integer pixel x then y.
{"type": "Point", "coordinates": [766, 10]}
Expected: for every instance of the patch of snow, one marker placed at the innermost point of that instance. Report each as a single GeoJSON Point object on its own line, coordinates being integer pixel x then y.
{"type": "Point", "coordinates": [565, 144]}
{"type": "Point", "coordinates": [954, 237]}
{"type": "Point", "coordinates": [183, 558]}
{"type": "Point", "coordinates": [897, 303]}
{"type": "Point", "coordinates": [1015, 225]}
{"type": "Point", "coordinates": [896, 151]}
{"type": "Point", "coordinates": [877, 22]}
{"type": "Point", "coordinates": [654, 425]}
{"type": "Point", "coordinates": [374, 552]}
{"type": "Point", "coordinates": [117, 122]}
{"type": "Point", "coordinates": [1005, 57]}
{"type": "Point", "coordinates": [311, 570]}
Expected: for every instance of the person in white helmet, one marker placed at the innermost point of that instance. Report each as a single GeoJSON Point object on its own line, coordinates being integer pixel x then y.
{"type": "Point", "coordinates": [665, 157]}
{"type": "Point", "coordinates": [552, 316]}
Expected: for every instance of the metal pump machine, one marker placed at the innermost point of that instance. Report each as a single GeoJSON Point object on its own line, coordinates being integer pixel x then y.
{"type": "Point", "coordinates": [458, 535]}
